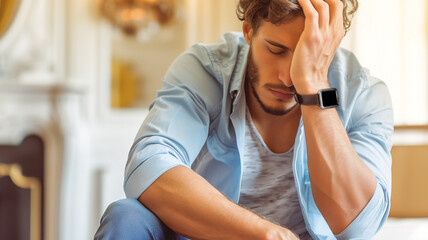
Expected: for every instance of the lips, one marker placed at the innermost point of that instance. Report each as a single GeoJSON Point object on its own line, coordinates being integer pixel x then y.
{"type": "Point", "coordinates": [281, 94]}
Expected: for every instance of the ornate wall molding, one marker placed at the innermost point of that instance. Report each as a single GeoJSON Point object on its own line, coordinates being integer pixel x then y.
{"type": "Point", "coordinates": [29, 49]}
{"type": "Point", "coordinates": [17, 24]}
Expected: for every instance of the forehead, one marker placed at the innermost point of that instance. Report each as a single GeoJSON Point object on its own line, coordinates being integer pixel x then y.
{"type": "Point", "coordinates": [286, 33]}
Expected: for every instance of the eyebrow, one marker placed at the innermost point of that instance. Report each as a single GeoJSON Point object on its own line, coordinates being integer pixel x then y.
{"type": "Point", "coordinates": [277, 44]}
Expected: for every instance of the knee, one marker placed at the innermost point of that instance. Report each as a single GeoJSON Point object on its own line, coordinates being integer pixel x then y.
{"type": "Point", "coordinates": [127, 219]}
{"type": "Point", "coordinates": [127, 210]}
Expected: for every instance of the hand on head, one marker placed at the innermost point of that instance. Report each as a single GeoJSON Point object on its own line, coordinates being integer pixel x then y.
{"type": "Point", "coordinates": [321, 37]}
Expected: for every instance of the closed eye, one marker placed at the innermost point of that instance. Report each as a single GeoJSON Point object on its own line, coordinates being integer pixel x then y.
{"type": "Point", "coordinates": [276, 48]}
{"type": "Point", "coordinates": [276, 51]}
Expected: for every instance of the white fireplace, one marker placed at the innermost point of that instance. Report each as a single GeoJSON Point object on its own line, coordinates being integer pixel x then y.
{"type": "Point", "coordinates": [37, 99]}
{"type": "Point", "coordinates": [49, 111]}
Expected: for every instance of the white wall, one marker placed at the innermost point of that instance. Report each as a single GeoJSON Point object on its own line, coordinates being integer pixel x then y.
{"type": "Point", "coordinates": [208, 19]}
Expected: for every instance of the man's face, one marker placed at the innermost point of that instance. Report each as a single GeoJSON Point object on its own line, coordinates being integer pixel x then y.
{"type": "Point", "coordinates": [269, 59]}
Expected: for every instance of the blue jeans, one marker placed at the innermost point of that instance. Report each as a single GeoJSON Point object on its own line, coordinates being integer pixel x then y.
{"type": "Point", "coordinates": [128, 219]}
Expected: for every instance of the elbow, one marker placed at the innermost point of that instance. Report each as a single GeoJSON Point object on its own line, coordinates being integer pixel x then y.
{"type": "Point", "coordinates": [371, 218]}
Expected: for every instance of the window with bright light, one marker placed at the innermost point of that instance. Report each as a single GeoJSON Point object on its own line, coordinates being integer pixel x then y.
{"type": "Point", "coordinates": [389, 37]}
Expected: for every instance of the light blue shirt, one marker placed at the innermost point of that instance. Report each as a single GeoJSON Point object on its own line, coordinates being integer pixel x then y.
{"type": "Point", "coordinates": [198, 121]}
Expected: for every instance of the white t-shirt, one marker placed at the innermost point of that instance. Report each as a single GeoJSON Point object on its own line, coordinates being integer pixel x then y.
{"type": "Point", "coordinates": [268, 187]}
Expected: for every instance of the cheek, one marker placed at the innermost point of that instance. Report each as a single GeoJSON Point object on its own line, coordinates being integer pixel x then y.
{"type": "Point", "coordinates": [265, 63]}
{"type": "Point", "coordinates": [273, 67]}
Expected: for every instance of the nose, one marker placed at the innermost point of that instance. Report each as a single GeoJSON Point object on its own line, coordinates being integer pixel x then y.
{"type": "Point", "coordinates": [283, 67]}
{"type": "Point", "coordinates": [284, 77]}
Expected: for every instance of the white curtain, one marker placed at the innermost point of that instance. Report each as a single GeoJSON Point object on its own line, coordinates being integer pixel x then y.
{"type": "Point", "coordinates": [390, 38]}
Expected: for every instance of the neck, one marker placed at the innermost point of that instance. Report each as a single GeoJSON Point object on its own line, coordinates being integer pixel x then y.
{"type": "Point", "coordinates": [278, 132]}
{"type": "Point", "coordinates": [258, 114]}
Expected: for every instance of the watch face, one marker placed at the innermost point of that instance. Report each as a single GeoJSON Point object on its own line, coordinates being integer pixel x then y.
{"type": "Point", "coordinates": [329, 98]}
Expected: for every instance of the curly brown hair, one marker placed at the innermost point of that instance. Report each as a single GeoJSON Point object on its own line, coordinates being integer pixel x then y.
{"type": "Point", "coordinates": [279, 11]}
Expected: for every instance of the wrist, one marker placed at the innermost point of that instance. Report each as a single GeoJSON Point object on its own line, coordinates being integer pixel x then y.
{"type": "Point", "coordinates": [272, 231]}
{"type": "Point", "coordinates": [310, 84]}
{"type": "Point", "coordinates": [277, 232]}
{"type": "Point", "coordinates": [265, 230]}
{"type": "Point", "coordinates": [313, 88]}
{"type": "Point", "coordinates": [324, 99]}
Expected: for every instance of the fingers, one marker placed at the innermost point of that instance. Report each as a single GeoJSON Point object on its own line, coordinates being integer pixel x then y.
{"type": "Point", "coordinates": [336, 18]}
{"type": "Point", "coordinates": [311, 15]}
{"type": "Point", "coordinates": [336, 11]}
{"type": "Point", "coordinates": [322, 13]}
{"type": "Point", "coordinates": [323, 10]}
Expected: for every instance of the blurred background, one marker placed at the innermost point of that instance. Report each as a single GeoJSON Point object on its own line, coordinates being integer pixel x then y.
{"type": "Point", "coordinates": [77, 77]}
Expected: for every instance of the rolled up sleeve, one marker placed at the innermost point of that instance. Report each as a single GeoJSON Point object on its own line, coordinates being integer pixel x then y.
{"type": "Point", "coordinates": [177, 124]}
{"type": "Point", "coordinates": [370, 220]}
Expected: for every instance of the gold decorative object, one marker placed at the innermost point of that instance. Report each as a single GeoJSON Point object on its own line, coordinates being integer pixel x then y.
{"type": "Point", "coordinates": [15, 173]}
{"type": "Point", "coordinates": [134, 15]}
{"type": "Point", "coordinates": [8, 9]}
{"type": "Point", "coordinates": [124, 84]}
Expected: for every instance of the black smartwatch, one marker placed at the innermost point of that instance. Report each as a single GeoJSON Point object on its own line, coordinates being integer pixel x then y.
{"type": "Point", "coordinates": [325, 98]}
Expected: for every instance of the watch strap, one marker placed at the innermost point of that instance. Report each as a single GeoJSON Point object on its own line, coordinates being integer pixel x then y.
{"type": "Point", "coordinates": [312, 99]}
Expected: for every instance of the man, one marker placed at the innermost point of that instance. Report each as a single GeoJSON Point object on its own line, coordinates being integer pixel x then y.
{"type": "Point", "coordinates": [270, 135]}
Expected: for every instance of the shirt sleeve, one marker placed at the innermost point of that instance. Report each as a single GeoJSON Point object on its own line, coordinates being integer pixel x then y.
{"type": "Point", "coordinates": [177, 124]}
{"type": "Point", "coordinates": [370, 133]}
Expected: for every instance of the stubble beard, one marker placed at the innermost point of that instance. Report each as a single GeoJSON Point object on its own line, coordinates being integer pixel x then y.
{"type": "Point", "coordinates": [252, 78]}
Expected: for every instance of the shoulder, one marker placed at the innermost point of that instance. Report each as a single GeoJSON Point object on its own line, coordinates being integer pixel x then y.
{"type": "Point", "coordinates": [216, 59]}
{"type": "Point", "coordinates": [227, 49]}
{"type": "Point", "coordinates": [206, 70]}
{"type": "Point", "coordinates": [220, 57]}
{"type": "Point", "coordinates": [347, 74]}
{"type": "Point", "coordinates": [346, 67]}
{"type": "Point", "coordinates": [360, 93]}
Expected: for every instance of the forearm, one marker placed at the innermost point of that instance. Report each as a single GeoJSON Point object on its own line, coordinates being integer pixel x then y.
{"type": "Point", "coordinates": [341, 183]}
{"type": "Point", "coordinates": [192, 207]}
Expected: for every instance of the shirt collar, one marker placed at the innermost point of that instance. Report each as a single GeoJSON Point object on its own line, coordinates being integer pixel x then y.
{"type": "Point", "coordinates": [237, 85]}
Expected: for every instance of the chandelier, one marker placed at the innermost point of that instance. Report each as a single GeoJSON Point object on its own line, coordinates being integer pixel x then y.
{"type": "Point", "coordinates": [135, 16]}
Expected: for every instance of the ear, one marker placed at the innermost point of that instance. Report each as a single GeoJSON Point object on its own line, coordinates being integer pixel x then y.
{"type": "Point", "coordinates": [248, 32]}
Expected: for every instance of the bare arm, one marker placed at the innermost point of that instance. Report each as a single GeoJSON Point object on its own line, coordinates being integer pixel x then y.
{"type": "Point", "coordinates": [192, 207]}
{"type": "Point", "coordinates": [341, 183]}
